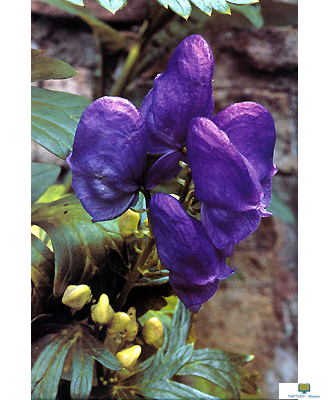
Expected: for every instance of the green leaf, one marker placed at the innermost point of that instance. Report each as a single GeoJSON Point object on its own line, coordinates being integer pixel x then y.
{"type": "Point", "coordinates": [103, 355]}
{"type": "Point", "coordinates": [42, 176]}
{"type": "Point", "coordinates": [242, 2]}
{"type": "Point", "coordinates": [53, 193]}
{"type": "Point", "coordinates": [54, 119]}
{"type": "Point", "coordinates": [180, 328]}
{"type": "Point", "coordinates": [43, 68]}
{"type": "Point", "coordinates": [165, 389]}
{"type": "Point", "coordinates": [252, 13]}
{"type": "Point", "coordinates": [112, 5]}
{"type": "Point", "coordinates": [280, 209]}
{"type": "Point", "coordinates": [180, 7]}
{"type": "Point", "coordinates": [80, 246]}
{"type": "Point", "coordinates": [82, 372]}
{"type": "Point", "coordinates": [77, 2]}
{"type": "Point", "coordinates": [221, 368]}
{"type": "Point", "coordinates": [42, 274]}
{"type": "Point", "coordinates": [47, 370]}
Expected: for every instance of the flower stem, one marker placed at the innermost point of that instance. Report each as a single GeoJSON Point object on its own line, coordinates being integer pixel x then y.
{"type": "Point", "coordinates": [185, 188]}
{"type": "Point", "coordinates": [135, 273]}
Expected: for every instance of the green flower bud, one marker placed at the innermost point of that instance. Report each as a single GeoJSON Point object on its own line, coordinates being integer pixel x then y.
{"type": "Point", "coordinates": [118, 323]}
{"type": "Point", "coordinates": [102, 312]}
{"type": "Point", "coordinates": [77, 296]}
{"type": "Point", "coordinates": [128, 357]}
{"type": "Point", "coordinates": [128, 224]}
{"type": "Point", "coordinates": [153, 332]}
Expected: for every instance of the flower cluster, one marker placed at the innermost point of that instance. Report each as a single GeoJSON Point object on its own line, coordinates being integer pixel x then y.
{"type": "Point", "coordinates": [230, 156]}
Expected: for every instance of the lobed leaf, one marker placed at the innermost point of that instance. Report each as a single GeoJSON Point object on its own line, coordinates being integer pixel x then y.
{"type": "Point", "coordinates": [224, 369]}
{"type": "Point", "coordinates": [183, 7]}
{"type": "Point", "coordinates": [80, 246]}
{"type": "Point", "coordinates": [251, 12]}
{"type": "Point", "coordinates": [165, 389]}
{"type": "Point", "coordinates": [47, 370]}
{"type": "Point", "coordinates": [82, 371]}
{"type": "Point", "coordinates": [112, 5]}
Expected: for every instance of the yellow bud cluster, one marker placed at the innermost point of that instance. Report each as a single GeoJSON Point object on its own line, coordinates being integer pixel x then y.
{"type": "Point", "coordinates": [122, 328]}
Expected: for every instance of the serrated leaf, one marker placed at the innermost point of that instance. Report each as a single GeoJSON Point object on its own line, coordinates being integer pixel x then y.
{"type": "Point", "coordinates": [252, 13]}
{"type": "Point", "coordinates": [42, 176]}
{"type": "Point", "coordinates": [112, 5]}
{"type": "Point", "coordinates": [80, 246]}
{"type": "Point", "coordinates": [54, 119]}
{"type": "Point", "coordinates": [180, 7]}
{"type": "Point", "coordinates": [242, 2]}
{"type": "Point", "coordinates": [44, 68]}
{"type": "Point", "coordinates": [180, 328]}
{"type": "Point", "coordinates": [221, 368]}
{"type": "Point", "coordinates": [173, 390]}
{"type": "Point", "coordinates": [103, 355]}
{"type": "Point", "coordinates": [76, 2]}
{"type": "Point", "coordinates": [82, 372]}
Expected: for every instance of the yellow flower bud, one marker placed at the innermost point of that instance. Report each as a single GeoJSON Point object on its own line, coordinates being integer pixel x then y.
{"type": "Point", "coordinates": [119, 322]}
{"type": "Point", "coordinates": [128, 357]}
{"type": "Point", "coordinates": [153, 332]}
{"type": "Point", "coordinates": [128, 224]}
{"type": "Point", "coordinates": [102, 312]}
{"type": "Point", "coordinates": [77, 296]}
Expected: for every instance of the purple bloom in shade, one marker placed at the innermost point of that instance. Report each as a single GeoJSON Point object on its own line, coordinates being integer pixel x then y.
{"type": "Point", "coordinates": [109, 157]}
{"type": "Point", "coordinates": [185, 249]}
{"type": "Point", "coordinates": [182, 92]}
{"type": "Point", "coordinates": [231, 161]}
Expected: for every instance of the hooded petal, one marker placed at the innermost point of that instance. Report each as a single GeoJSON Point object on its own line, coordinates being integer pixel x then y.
{"type": "Point", "coordinates": [251, 129]}
{"type": "Point", "coordinates": [101, 201]}
{"type": "Point", "coordinates": [182, 244]}
{"type": "Point", "coordinates": [226, 227]}
{"type": "Point", "coordinates": [193, 296]}
{"type": "Point", "coordinates": [222, 176]}
{"type": "Point", "coordinates": [157, 144]}
{"type": "Point", "coordinates": [164, 169]}
{"type": "Point", "coordinates": [109, 156]}
{"type": "Point", "coordinates": [182, 92]}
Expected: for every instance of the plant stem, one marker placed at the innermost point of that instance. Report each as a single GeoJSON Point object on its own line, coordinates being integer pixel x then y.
{"type": "Point", "coordinates": [185, 188]}
{"type": "Point", "coordinates": [129, 64]}
{"type": "Point", "coordinates": [135, 273]}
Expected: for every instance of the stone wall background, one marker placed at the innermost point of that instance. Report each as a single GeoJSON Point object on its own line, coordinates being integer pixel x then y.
{"type": "Point", "coordinates": [256, 310]}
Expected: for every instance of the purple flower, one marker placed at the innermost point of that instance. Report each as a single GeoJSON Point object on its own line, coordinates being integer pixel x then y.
{"type": "Point", "coordinates": [231, 161]}
{"type": "Point", "coordinates": [184, 248]}
{"type": "Point", "coordinates": [109, 157]}
{"type": "Point", "coordinates": [182, 92]}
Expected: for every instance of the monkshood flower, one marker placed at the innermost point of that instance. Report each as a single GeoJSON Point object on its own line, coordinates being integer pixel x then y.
{"type": "Point", "coordinates": [231, 160]}
{"type": "Point", "coordinates": [184, 248]}
{"type": "Point", "coordinates": [109, 157]}
{"type": "Point", "coordinates": [182, 92]}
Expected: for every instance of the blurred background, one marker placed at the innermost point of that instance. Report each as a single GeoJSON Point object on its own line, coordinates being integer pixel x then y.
{"type": "Point", "coordinates": [255, 52]}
